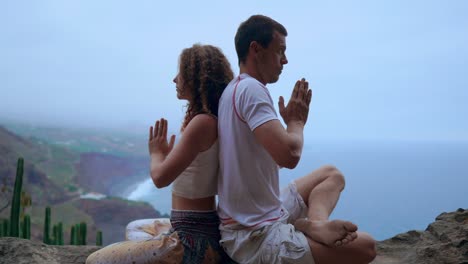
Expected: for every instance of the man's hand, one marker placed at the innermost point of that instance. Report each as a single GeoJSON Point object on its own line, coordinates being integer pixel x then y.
{"type": "Point", "coordinates": [297, 109]}
{"type": "Point", "coordinates": [157, 144]}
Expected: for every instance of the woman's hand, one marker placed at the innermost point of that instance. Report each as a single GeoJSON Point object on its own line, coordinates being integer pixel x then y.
{"type": "Point", "coordinates": [157, 144]}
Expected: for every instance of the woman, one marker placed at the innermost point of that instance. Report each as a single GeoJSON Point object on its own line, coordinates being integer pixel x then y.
{"type": "Point", "coordinates": [192, 167]}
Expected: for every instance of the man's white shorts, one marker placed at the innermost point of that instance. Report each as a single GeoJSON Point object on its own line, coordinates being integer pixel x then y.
{"type": "Point", "coordinates": [277, 243]}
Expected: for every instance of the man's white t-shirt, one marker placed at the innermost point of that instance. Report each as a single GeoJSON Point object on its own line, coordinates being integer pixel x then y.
{"type": "Point", "coordinates": [248, 186]}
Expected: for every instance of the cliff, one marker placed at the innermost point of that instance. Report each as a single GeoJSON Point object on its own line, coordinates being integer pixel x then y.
{"type": "Point", "coordinates": [445, 241]}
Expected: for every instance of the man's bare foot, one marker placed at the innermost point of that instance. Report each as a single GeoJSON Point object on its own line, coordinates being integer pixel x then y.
{"type": "Point", "coordinates": [331, 233]}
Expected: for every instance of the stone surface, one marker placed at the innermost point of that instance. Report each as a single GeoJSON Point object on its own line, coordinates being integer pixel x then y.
{"type": "Point", "coordinates": [21, 251]}
{"type": "Point", "coordinates": [445, 241]}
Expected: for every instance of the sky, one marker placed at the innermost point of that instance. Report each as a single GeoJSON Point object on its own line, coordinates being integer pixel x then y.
{"type": "Point", "coordinates": [380, 70]}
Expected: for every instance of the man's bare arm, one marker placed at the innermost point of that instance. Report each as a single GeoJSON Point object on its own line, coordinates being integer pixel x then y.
{"type": "Point", "coordinates": [285, 145]}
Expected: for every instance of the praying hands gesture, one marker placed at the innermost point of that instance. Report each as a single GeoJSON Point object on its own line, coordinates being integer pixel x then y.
{"type": "Point", "coordinates": [298, 105]}
{"type": "Point", "coordinates": [158, 146]}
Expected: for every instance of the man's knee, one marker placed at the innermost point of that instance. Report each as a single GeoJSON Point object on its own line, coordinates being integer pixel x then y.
{"type": "Point", "coordinates": [334, 175]}
{"type": "Point", "coordinates": [368, 249]}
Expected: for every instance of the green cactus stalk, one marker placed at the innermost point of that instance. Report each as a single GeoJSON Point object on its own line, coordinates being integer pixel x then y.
{"type": "Point", "coordinates": [22, 229]}
{"type": "Point", "coordinates": [77, 234]}
{"type": "Point", "coordinates": [59, 234]}
{"type": "Point", "coordinates": [83, 233]}
{"type": "Point", "coordinates": [99, 238]}
{"type": "Point", "coordinates": [72, 236]}
{"type": "Point", "coordinates": [2, 230]}
{"type": "Point", "coordinates": [27, 227]}
{"type": "Point", "coordinates": [55, 235]}
{"type": "Point", "coordinates": [15, 205]}
{"type": "Point", "coordinates": [46, 238]}
{"type": "Point", "coordinates": [5, 227]}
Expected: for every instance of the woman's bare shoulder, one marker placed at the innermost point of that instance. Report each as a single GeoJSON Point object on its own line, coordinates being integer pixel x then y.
{"type": "Point", "coordinates": [204, 128]}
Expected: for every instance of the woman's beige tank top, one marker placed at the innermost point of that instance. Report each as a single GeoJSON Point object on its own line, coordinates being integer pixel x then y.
{"type": "Point", "coordinates": [200, 178]}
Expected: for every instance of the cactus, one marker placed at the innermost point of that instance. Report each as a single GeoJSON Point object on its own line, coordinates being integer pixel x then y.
{"type": "Point", "coordinates": [57, 231]}
{"type": "Point", "coordinates": [27, 220]}
{"type": "Point", "coordinates": [22, 229]}
{"type": "Point", "coordinates": [78, 234]}
{"type": "Point", "coordinates": [59, 236]}
{"type": "Point", "coordinates": [72, 236]}
{"type": "Point", "coordinates": [77, 238]}
{"type": "Point", "coordinates": [46, 238]}
{"type": "Point", "coordinates": [15, 205]}
{"type": "Point", "coordinates": [99, 238]}
{"type": "Point", "coordinates": [5, 227]}
{"type": "Point", "coordinates": [26, 227]}
{"type": "Point", "coordinates": [83, 233]}
{"type": "Point", "coordinates": [54, 235]}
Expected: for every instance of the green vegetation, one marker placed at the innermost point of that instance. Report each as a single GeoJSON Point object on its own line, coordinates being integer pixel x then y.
{"type": "Point", "coordinates": [57, 238]}
{"type": "Point", "coordinates": [59, 164]}
{"type": "Point", "coordinates": [78, 234]}
{"type": "Point", "coordinates": [5, 227]}
{"type": "Point", "coordinates": [53, 155]}
{"type": "Point", "coordinates": [99, 238]}
{"type": "Point", "coordinates": [16, 203]}
{"type": "Point", "coordinates": [46, 238]}
{"type": "Point", "coordinates": [73, 236]}
{"type": "Point", "coordinates": [86, 140]}
{"type": "Point", "coordinates": [72, 188]}
{"type": "Point", "coordinates": [26, 227]}
{"type": "Point", "coordinates": [82, 233]}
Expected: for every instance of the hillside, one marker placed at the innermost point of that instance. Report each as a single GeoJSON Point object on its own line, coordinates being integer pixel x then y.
{"type": "Point", "coordinates": [39, 158]}
{"type": "Point", "coordinates": [56, 176]}
{"type": "Point", "coordinates": [110, 174]}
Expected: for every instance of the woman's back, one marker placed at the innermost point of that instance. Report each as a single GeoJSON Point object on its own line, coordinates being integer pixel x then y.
{"type": "Point", "coordinates": [195, 188]}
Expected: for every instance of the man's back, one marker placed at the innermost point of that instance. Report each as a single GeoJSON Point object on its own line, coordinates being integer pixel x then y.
{"type": "Point", "coordinates": [248, 186]}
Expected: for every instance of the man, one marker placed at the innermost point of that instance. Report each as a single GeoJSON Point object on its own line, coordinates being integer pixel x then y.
{"type": "Point", "coordinates": [260, 224]}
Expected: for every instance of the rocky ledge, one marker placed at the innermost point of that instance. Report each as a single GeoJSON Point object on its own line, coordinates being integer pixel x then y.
{"type": "Point", "coordinates": [445, 241]}
{"type": "Point", "coordinates": [21, 251]}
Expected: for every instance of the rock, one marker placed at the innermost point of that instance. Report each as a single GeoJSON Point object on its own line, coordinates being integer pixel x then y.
{"type": "Point", "coordinates": [22, 251]}
{"type": "Point", "coordinates": [445, 241]}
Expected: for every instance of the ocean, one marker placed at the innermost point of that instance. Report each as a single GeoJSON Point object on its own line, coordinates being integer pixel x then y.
{"type": "Point", "coordinates": [391, 187]}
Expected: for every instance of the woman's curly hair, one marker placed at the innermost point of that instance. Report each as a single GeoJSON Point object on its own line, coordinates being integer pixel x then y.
{"type": "Point", "coordinates": [205, 72]}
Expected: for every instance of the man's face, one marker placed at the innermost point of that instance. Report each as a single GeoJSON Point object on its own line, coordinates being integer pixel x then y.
{"type": "Point", "coordinates": [272, 59]}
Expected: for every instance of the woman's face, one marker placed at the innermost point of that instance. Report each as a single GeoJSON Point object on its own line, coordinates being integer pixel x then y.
{"type": "Point", "coordinates": [182, 93]}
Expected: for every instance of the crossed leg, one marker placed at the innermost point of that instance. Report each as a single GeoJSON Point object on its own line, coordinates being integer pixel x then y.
{"type": "Point", "coordinates": [330, 239]}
